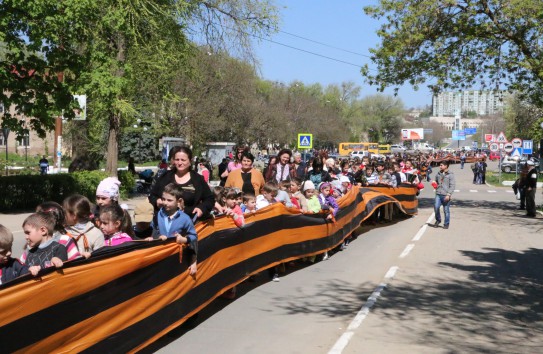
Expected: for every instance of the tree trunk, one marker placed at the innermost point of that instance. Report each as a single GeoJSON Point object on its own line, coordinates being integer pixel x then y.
{"type": "Point", "coordinates": [112, 145]}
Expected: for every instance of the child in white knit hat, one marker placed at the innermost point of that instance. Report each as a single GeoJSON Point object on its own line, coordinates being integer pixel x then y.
{"type": "Point", "coordinates": [107, 193]}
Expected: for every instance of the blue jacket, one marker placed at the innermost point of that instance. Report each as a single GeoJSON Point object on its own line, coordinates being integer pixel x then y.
{"type": "Point", "coordinates": [181, 223]}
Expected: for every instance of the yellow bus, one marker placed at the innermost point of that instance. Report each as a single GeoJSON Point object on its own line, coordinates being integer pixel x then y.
{"type": "Point", "coordinates": [384, 149]}
{"type": "Point", "coordinates": [346, 148]}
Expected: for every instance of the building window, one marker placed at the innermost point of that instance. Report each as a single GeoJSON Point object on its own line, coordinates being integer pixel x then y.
{"type": "Point", "coordinates": [24, 141]}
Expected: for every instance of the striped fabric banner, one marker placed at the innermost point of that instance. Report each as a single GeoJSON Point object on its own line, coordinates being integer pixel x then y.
{"type": "Point", "coordinates": [124, 298]}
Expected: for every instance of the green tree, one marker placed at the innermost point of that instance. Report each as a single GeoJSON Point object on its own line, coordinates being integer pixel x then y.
{"type": "Point", "coordinates": [122, 54]}
{"type": "Point", "coordinates": [522, 119]}
{"type": "Point", "coordinates": [458, 44]}
{"type": "Point", "coordinates": [39, 61]}
{"type": "Point", "coordinates": [381, 117]}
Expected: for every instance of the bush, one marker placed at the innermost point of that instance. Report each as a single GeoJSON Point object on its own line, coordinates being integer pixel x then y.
{"type": "Point", "coordinates": [128, 182]}
{"type": "Point", "coordinates": [88, 181]}
{"type": "Point", "coordinates": [25, 192]}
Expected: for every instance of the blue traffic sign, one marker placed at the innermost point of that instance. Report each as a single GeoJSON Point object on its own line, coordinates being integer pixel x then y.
{"type": "Point", "coordinates": [305, 141]}
{"type": "Point", "coordinates": [528, 146]}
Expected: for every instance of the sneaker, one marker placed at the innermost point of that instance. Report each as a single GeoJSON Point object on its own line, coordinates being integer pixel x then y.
{"type": "Point", "coordinates": [342, 247]}
{"type": "Point", "coordinates": [445, 227]}
{"type": "Point", "coordinates": [276, 277]}
{"type": "Point", "coordinates": [436, 223]}
{"type": "Point", "coordinates": [326, 256]}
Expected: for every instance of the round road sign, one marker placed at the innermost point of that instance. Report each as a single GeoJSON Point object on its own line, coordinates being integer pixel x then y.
{"type": "Point", "coordinates": [508, 147]}
{"type": "Point", "coordinates": [494, 147]}
{"type": "Point", "coordinates": [517, 142]}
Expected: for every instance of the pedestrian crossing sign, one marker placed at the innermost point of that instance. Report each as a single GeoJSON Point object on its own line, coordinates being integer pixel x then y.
{"type": "Point", "coordinates": [305, 141]}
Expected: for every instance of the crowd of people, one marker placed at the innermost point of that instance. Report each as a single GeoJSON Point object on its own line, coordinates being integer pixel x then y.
{"type": "Point", "coordinates": [181, 195]}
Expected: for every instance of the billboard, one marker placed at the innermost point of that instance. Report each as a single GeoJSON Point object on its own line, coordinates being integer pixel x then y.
{"type": "Point", "coordinates": [458, 135]}
{"type": "Point", "coordinates": [413, 134]}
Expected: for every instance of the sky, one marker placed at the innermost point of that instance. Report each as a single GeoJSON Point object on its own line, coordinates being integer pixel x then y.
{"type": "Point", "coordinates": [336, 23]}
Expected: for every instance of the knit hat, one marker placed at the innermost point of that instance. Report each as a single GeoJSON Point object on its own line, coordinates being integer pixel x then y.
{"type": "Point", "coordinates": [109, 187]}
{"type": "Point", "coordinates": [143, 212]}
{"type": "Point", "coordinates": [324, 185]}
{"type": "Point", "coordinates": [344, 178]}
{"type": "Point", "coordinates": [308, 185]}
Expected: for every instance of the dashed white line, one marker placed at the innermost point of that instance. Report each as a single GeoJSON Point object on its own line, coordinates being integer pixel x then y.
{"type": "Point", "coordinates": [342, 342]}
{"type": "Point", "coordinates": [473, 191]}
{"type": "Point", "coordinates": [422, 230]}
{"type": "Point", "coordinates": [364, 311]}
{"type": "Point", "coordinates": [491, 191]}
{"type": "Point", "coordinates": [391, 272]}
{"type": "Point", "coordinates": [407, 249]}
{"type": "Point", "coordinates": [457, 190]}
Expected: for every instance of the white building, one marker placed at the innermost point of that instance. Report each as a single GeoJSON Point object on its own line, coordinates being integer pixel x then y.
{"type": "Point", "coordinates": [449, 122]}
{"type": "Point", "coordinates": [482, 103]}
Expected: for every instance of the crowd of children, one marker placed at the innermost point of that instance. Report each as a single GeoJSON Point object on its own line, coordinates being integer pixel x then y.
{"type": "Point", "coordinates": [56, 233]}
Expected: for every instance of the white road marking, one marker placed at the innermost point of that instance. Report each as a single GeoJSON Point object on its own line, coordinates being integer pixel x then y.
{"type": "Point", "coordinates": [509, 192]}
{"type": "Point", "coordinates": [407, 249]}
{"type": "Point", "coordinates": [342, 342]}
{"type": "Point", "coordinates": [491, 191]}
{"type": "Point", "coordinates": [457, 190]}
{"type": "Point", "coordinates": [364, 311]}
{"type": "Point", "coordinates": [391, 272]}
{"type": "Point", "coordinates": [473, 191]}
{"type": "Point", "coordinates": [422, 230]}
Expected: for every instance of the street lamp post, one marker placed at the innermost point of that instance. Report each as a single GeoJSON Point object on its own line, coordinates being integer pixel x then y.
{"type": "Point", "coordinates": [5, 131]}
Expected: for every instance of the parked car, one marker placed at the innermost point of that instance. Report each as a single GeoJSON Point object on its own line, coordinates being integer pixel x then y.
{"type": "Point", "coordinates": [397, 149]}
{"type": "Point", "coordinates": [509, 164]}
{"type": "Point", "coordinates": [359, 153]}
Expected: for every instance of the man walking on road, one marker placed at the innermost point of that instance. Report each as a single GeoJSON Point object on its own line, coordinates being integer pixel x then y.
{"type": "Point", "coordinates": [445, 188]}
{"type": "Point", "coordinates": [530, 187]}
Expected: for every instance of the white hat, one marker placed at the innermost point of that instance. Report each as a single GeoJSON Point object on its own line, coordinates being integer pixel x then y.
{"type": "Point", "coordinates": [308, 185]}
{"type": "Point", "coordinates": [530, 163]}
{"type": "Point", "coordinates": [109, 187]}
{"type": "Point", "coordinates": [344, 178]}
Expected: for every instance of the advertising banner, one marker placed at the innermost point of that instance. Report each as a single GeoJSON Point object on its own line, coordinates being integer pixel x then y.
{"type": "Point", "coordinates": [458, 135]}
{"type": "Point", "coordinates": [413, 134]}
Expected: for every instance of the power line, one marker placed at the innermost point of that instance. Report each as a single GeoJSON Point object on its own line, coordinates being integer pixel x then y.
{"type": "Point", "coordinates": [324, 44]}
{"type": "Point", "coordinates": [307, 51]}
{"type": "Point", "coordinates": [291, 47]}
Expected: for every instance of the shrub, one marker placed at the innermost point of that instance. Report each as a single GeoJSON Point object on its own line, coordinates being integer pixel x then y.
{"type": "Point", "coordinates": [25, 192]}
{"type": "Point", "coordinates": [128, 181]}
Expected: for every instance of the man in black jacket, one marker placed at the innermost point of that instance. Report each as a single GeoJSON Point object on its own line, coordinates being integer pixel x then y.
{"type": "Point", "coordinates": [530, 187]}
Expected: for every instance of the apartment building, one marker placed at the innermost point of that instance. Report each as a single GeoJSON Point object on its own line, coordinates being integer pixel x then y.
{"type": "Point", "coordinates": [447, 104]}
{"type": "Point", "coordinates": [31, 145]}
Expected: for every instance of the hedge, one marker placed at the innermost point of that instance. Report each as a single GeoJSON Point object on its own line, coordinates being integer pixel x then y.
{"type": "Point", "coordinates": [25, 192]}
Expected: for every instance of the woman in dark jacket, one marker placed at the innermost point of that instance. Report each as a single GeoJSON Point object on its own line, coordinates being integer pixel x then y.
{"type": "Point", "coordinates": [198, 198]}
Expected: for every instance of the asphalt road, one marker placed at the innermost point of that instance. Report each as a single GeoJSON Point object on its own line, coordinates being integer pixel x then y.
{"type": "Point", "coordinates": [470, 289]}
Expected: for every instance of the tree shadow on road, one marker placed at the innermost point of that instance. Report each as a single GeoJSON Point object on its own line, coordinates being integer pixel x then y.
{"type": "Point", "coordinates": [497, 308]}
